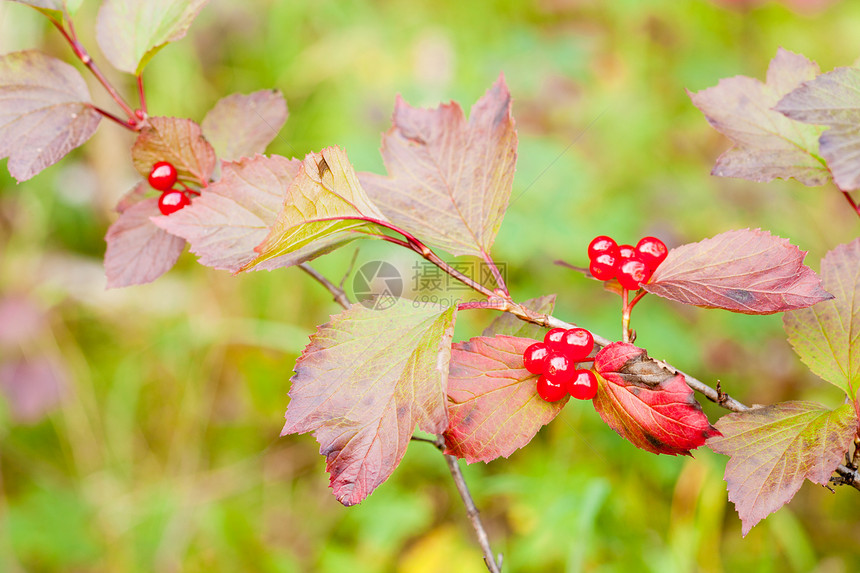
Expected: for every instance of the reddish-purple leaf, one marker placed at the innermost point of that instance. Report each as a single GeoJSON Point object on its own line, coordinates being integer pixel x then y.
{"type": "Point", "coordinates": [233, 216]}
{"type": "Point", "coordinates": [21, 321]}
{"type": "Point", "coordinates": [34, 386]}
{"type": "Point", "coordinates": [130, 32]}
{"type": "Point", "coordinates": [767, 145]}
{"type": "Point", "coordinates": [138, 252]}
{"type": "Point", "coordinates": [132, 197]}
{"type": "Point", "coordinates": [493, 406]}
{"type": "Point", "coordinates": [773, 449]}
{"type": "Point", "coordinates": [45, 111]}
{"type": "Point", "coordinates": [178, 141]}
{"type": "Point", "coordinates": [449, 180]}
{"type": "Point", "coordinates": [827, 336]}
{"type": "Point", "coordinates": [244, 125]}
{"type": "Point", "coordinates": [324, 208]}
{"type": "Point", "coordinates": [746, 271]}
{"type": "Point", "coordinates": [647, 405]}
{"type": "Point", "coordinates": [832, 99]}
{"type": "Point", "coordinates": [366, 379]}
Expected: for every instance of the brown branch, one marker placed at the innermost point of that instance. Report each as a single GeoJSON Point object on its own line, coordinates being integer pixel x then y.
{"type": "Point", "coordinates": [494, 565]}
{"type": "Point", "coordinates": [338, 293]}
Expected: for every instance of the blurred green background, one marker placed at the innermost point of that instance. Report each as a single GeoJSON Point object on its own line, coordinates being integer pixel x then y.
{"type": "Point", "coordinates": [148, 439]}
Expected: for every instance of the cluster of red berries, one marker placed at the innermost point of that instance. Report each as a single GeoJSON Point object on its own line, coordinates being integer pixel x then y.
{"type": "Point", "coordinates": [555, 358]}
{"type": "Point", "coordinates": [632, 266]}
{"type": "Point", "coordinates": [163, 177]}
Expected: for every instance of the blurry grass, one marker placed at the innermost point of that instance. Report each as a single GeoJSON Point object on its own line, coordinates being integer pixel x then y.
{"type": "Point", "coordinates": [166, 455]}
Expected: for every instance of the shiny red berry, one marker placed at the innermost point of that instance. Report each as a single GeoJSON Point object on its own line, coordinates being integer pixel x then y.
{"type": "Point", "coordinates": [601, 244]}
{"type": "Point", "coordinates": [535, 357]}
{"type": "Point", "coordinates": [577, 344]}
{"type": "Point", "coordinates": [553, 337]}
{"type": "Point", "coordinates": [626, 251]}
{"type": "Point", "coordinates": [559, 368]}
{"type": "Point", "coordinates": [550, 390]}
{"type": "Point", "coordinates": [604, 266]}
{"type": "Point", "coordinates": [172, 201]}
{"type": "Point", "coordinates": [632, 273]}
{"type": "Point", "coordinates": [583, 385]}
{"type": "Point", "coordinates": [162, 176]}
{"type": "Point", "coordinates": [652, 250]}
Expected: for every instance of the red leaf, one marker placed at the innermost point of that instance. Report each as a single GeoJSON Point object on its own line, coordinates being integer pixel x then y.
{"type": "Point", "coordinates": [34, 386]}
{"type": "Point", "coordinates": [493, 407]}
{"type": "Point", "coordinates": [646, 404]}
{"type": "Point", "coordinates": [364, 382]}
{"type": "Point", "coordinates": [746, 271]}
{"type": "Point", "coordinates": [138, 252]}
{"type": "Point", "coordinates": [773, 449]}
{"type": "Point", "coordinates": [459, 171]}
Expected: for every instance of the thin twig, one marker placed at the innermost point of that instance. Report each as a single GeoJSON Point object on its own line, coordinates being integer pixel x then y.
{"type": "Point", "coordinates": [338, 293]}
{"type": "Point", "coordinates": [854, 205]}
{"type": "Point", "coordinates": [141, 94]}
{"type": "Point", "coordinates": [111, 117]}
{"type": "Point", "coordinates": [85, 58]}
{"type": "Point", "coordinates": [493, 565]}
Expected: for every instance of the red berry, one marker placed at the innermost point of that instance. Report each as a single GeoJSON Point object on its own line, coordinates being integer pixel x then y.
{"type": "Point", "coordinates": [604, 266]}
{"type": "Point", "coordinates": [632, 273]}
{"type": "Point", "coordinates": [577, 344]}
{"type": "Point", "coordinates": [583, 385]}
{"type": "Point", "coordinates": [535, 357]}
{"type": "Point", "coordinates": [626, 252]}
{"type": "Point", "coordinates": [559, 368]}
{"type": "Point", "coordinates": [553, 337]}
{"type": "Point", "coordinates": [601, 244]}
{"type": "Point", "coordinates": [652, 250]}
{"type": "Point", "coordinates": [550, 390]}
{"type": "Point", "coordinates": [162, 176]}
{"type": "Point", "coordinates": [172, 201]}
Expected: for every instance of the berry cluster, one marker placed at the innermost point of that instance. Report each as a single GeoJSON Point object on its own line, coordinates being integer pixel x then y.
{"type": "Point", "coordinates": [632, 266]}
{"type": "Point", "coordinates": [163, 177]}
{"type": "Point", "coordinates": [555, 358]}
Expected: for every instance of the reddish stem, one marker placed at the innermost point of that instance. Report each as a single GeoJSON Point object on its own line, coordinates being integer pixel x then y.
{"type": "Point", "coordinates": [112, 117]}
{"type": "Point", "coordinates": [85, 58]}
{"type": "Point", "coordinates": [497, 276]}
{"type": "Point", "coordinates": [851, 202]}
{"type": "Point", "coordinates": [141, 93]}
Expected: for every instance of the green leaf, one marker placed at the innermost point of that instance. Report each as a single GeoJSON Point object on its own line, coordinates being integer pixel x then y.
{"type": "Point", "coordinates": [179, 141]}
{"type": "Point", "coordinates": [45, 111]}
{"type": "Point", "coordinates": [509, 325]}
{"type": "Point", "coordinates": [773, 449]}
{"type": "Point", "coordinates": [364, 382]}
{"type": "Point", "coordinates": [244, 125]}
{"type": "Point", "coordinates": [449, 180]}
{"type": "Point", "coordinates": [767, 145]}
{"type": "Point", "coordinates": [827, 335]}
{"type": "Point", "coordinates": [130, 32]}
{"type": "Point", "coordinates": [324, 208]}
{"type": "Point", "coordinates": [53, 8]}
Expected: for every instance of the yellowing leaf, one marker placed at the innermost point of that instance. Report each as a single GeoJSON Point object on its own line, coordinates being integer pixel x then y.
{"type": "Point", "coordinates": [364, 382]}
{"type": "Point", "coordinates": [827, 335]}
{"type": "Point", "coordinates": [773, 449]}
{"type": "Point", "coordinates": [324, 208]}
